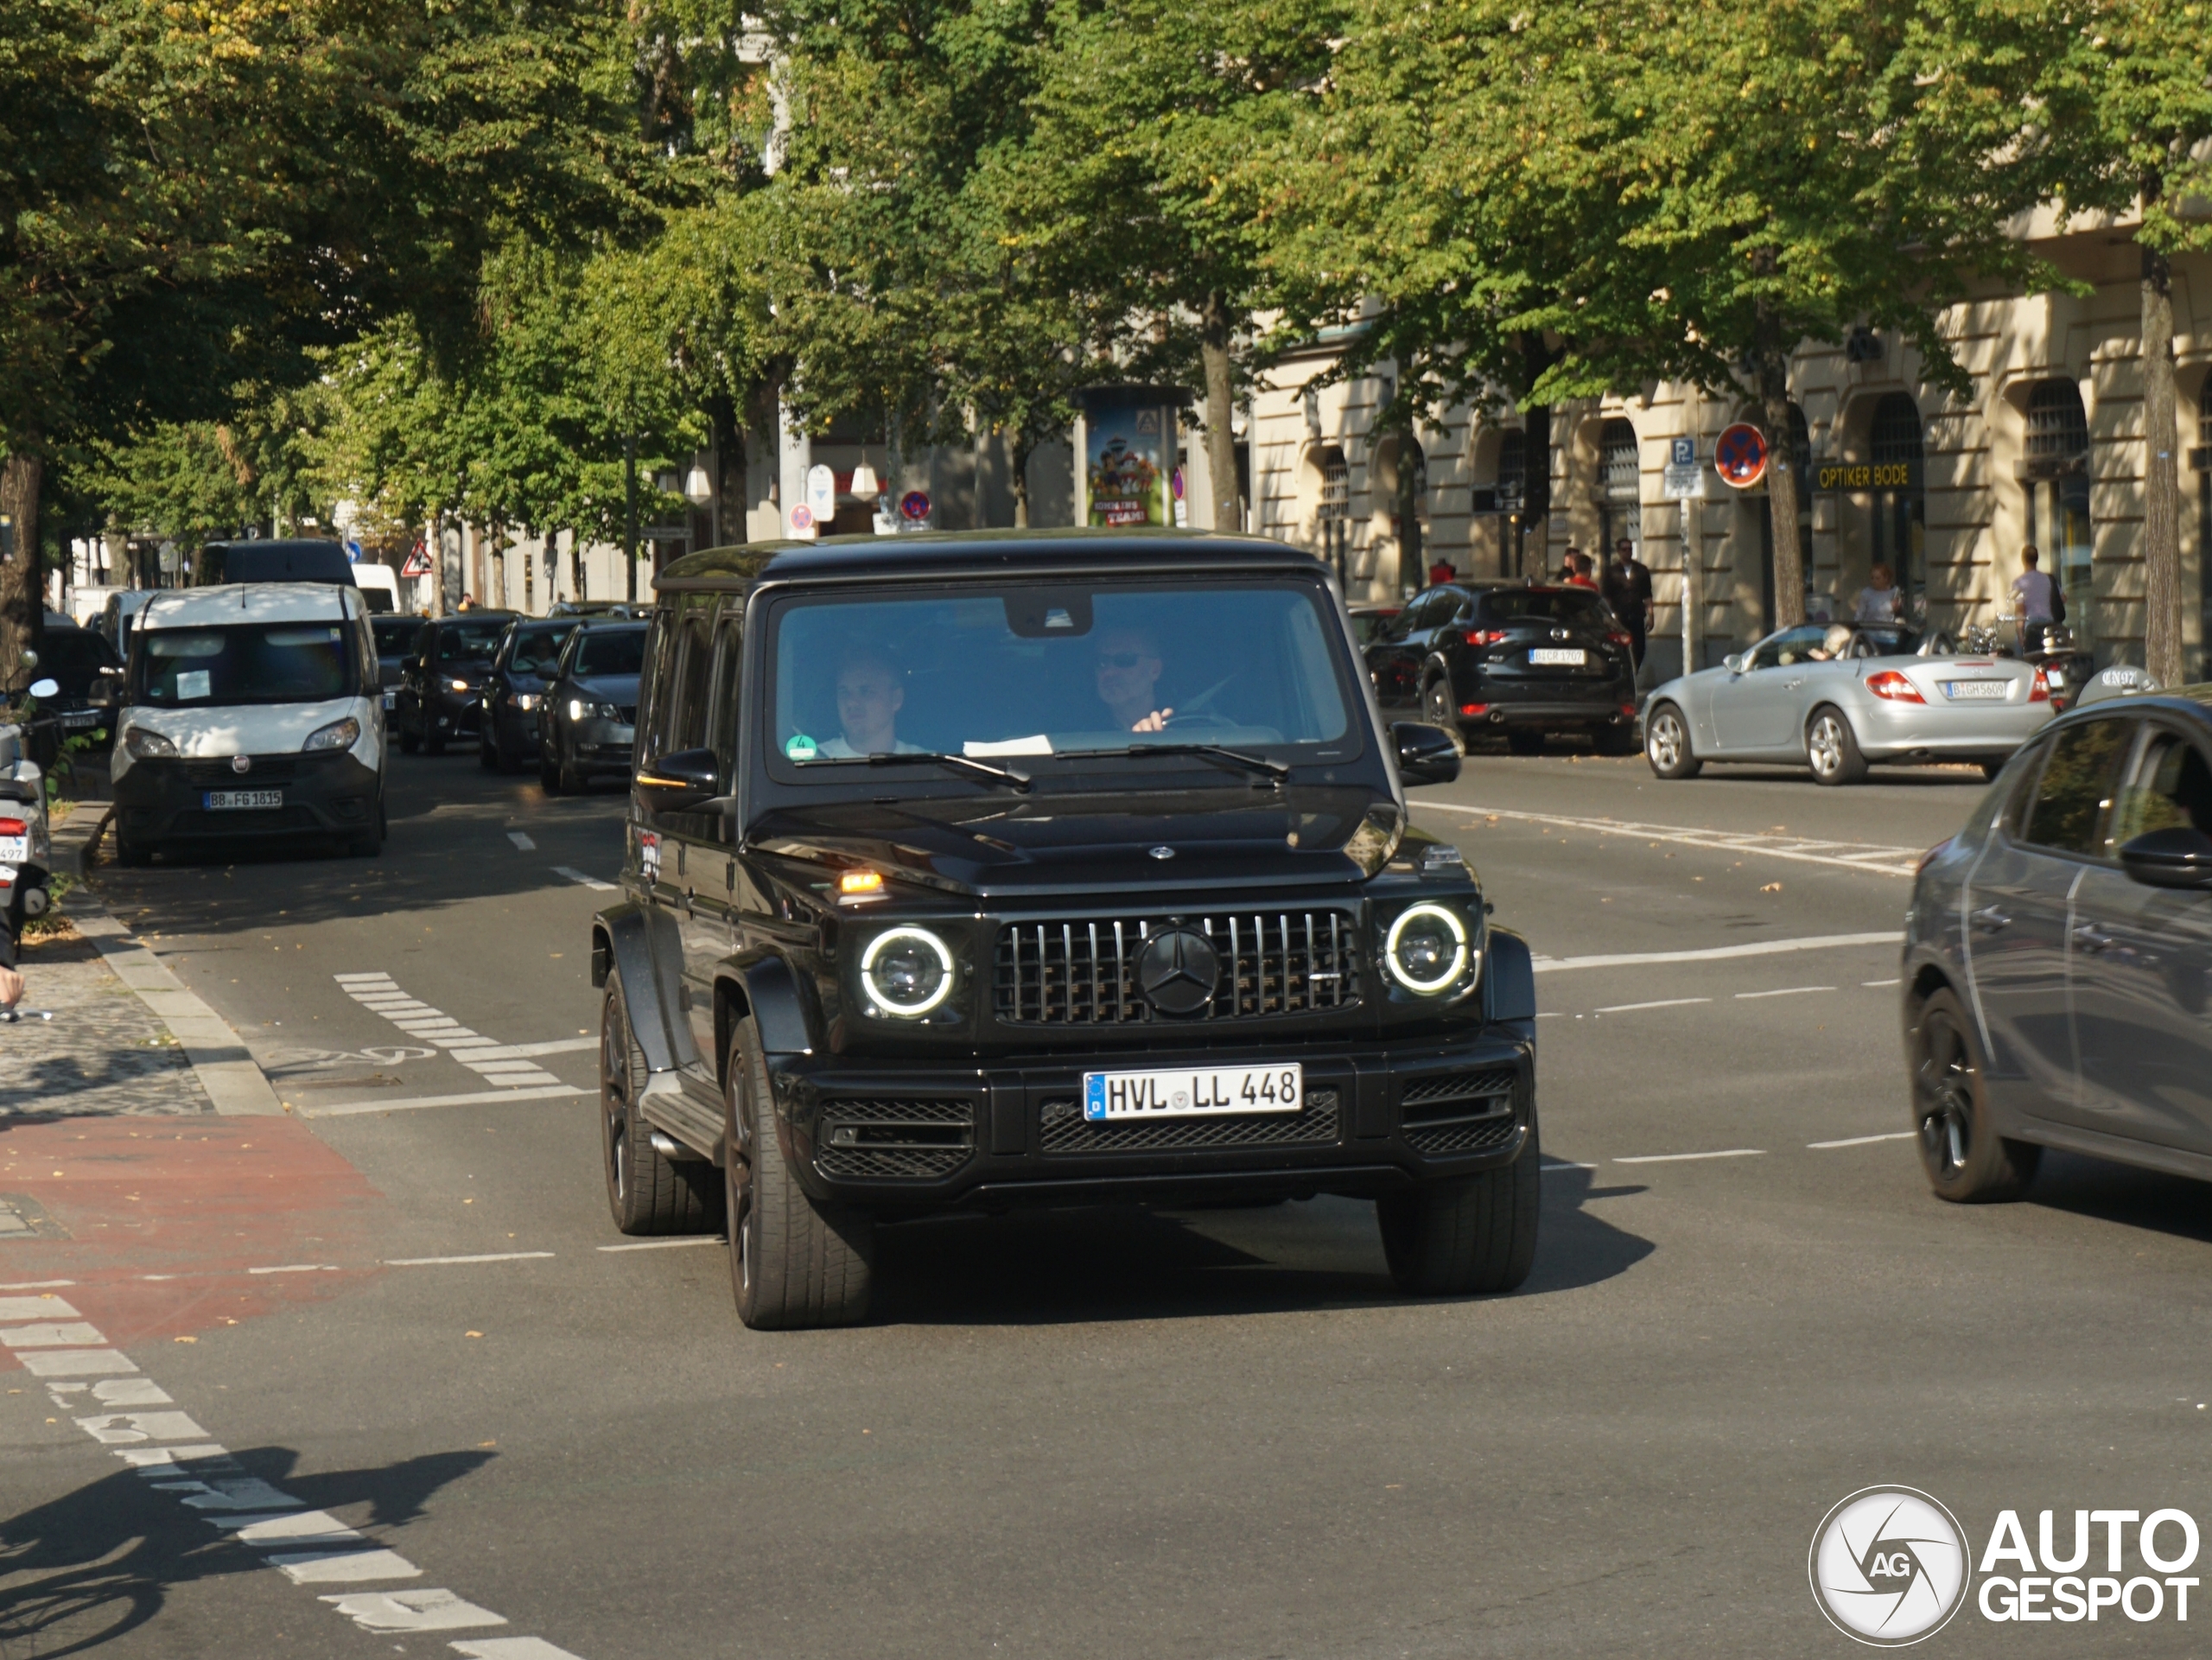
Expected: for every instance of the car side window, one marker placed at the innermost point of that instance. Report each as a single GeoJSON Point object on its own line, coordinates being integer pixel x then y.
{"type": "Point", "coordinates": [2075, 789]}
{"type": "Point", "coordinates": [694, 662]}
{"type": "Point", "coordinates": [722, 702]}
{"type": "Point", "coordinates": [1791, 645]}
{"type": "Point", "coordinates": [655, 687]}
{"type": "Point", "coordinates": [2170, 788]}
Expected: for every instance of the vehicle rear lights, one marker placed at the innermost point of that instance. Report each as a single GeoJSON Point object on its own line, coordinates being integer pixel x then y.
{"type": "Point", "coordinates": [1486, 636]}
{"type": "Point", "coordinates": [13, 827]}
{"type": "Point", "coordinates": [856, 882]}
{"type": "Point", "coordinates": [1474, 709]}
{"type": "Point", "coordinates": [1628, 711]}
{"type": "Point", "coordinates": [1426, 951]}
{"type": "Point", "coordinates": [908, 972]}
{"type": "Point", "coordinates": [2041, 694]}
{"type": "Point", "coordinates": [1620, 637]}
{"type": "Point", "coordinates": [1894, 686]}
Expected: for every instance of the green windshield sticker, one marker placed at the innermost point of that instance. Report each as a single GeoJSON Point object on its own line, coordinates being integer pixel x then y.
{"type": "Point", "coordinates": [800, 748]}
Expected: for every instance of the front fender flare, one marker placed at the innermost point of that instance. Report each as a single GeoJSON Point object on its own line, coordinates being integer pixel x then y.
{"type": "Point", "coordinates": [776, 996]}
{"type": "Point", "coordinates": [621, 943]}
{"type": "Point", "coordinates": [1509, 983]}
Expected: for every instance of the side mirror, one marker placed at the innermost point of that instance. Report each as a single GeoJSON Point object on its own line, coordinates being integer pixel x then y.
{"type": "Point", "coordinates": [107, 690]}
{"type": "Point", "coordinates": [46, 687]}
{"type": "Point", "coordinates": [1735, 662]}
{"type": "Point", "coordinates": [2179, 857]}
{"type": "Point", "coordinates": [681, 782]}
{"type": "Point", "coordinates": [1427, 754]}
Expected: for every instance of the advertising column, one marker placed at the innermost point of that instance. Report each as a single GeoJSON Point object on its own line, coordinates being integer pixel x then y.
{"type": "Point", "coordinates": [1126, 443]}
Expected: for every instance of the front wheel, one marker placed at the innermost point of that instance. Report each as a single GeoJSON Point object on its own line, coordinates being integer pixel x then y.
{"type": "Point", "coordinates": [1470, 1236]}
{"type": "Point", "coordinates": [487, 748]}
{"type": "Point", "coordinates": [1833, 748]}
{"type": "Point", "coordinates": [793, 1262]}
{"type": "Point", "coordinates": [409, 742]}
{"type": "Point", "coordinates": [1667, 744]}
{"type": "Point", "coordinates": [549, 775]}
{"type": "Point", "coordinates": [1966, 1159]}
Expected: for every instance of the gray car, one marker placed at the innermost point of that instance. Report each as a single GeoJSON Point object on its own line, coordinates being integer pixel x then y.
{"type": "Point", "coordinates": [1839, 697]}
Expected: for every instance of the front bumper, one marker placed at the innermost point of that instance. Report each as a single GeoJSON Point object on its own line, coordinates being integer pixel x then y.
{"type": "Point", "coordinates": [164, 799]}
{"type": "Point", "coordinates": [453, 714]}
{"type": "Point", "coordinates": [929, 1135]}
{"type": "Point", "coordinates": [601, 746]}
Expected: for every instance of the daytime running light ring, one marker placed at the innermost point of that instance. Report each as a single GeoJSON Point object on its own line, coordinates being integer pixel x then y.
{"type": "Point", "coordinates": [1451, 971]}
{"type": "Point", "coordinates": [906, 1011]}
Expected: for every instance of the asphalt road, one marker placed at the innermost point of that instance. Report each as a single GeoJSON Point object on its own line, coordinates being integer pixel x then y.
{"type": "Point", "coordinates": [1217, 1433]}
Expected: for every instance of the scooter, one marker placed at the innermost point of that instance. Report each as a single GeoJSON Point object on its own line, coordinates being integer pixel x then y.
{"type": "Point", "coordinates": [26, 852]}
{"type": "Point", "coordinates": [2066, 668]}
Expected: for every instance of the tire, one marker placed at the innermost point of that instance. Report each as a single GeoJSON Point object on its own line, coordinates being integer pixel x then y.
{"type": "Point", "coordinates": [409, 743]}
{"type": "Point", "coordinates": [1525, 740]}
{"type": "Point", "coordinates": [646, 1193]}
{"type": "Point", "coordinates": [549, 775]}
{"type": "Point", "coordinates": [1615, 740]}
{"type": "Point", "coordinates": [370, 843]}
{"type": "Point", "coordinates": [1833, 748]}
{"type": "Point", "coordinates": [573, 782]}
{"type": "Point", "coordinates": [1667, 744]}
{"type": "Point", "coordinates": [1476, 1235]}
{"type": "Point", "coordinates": [487, 750]}
{"type": "Point", "coordinates": [432, 744]}
{"type": "Point", "coordinates": [131, 855]}
{"type": "Point", "coordinates": [1966, 1162]}
{"type": "Point", "coordinates": [1436, 706]}
{"type": "Point", "coordinates": [793, 1262]}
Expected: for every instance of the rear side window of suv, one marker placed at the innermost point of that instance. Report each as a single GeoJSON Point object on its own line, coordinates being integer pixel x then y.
{"type": "Point", "coordinates": [2075, 789]}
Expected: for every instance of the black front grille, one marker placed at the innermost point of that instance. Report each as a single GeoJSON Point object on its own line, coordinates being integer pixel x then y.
{"type": "Point", "coordinates": [1065, 1130]}
{"type": "Point", "coordinates": [894, 1140]}
{"type": "Point", "coordinates": [1467, 1137]}
{"type": "Point", "coordinates": [194, 822]}
{"type": "Point", "coordinates": [216, 772]}
{"type": "Point", "coordinates": [1459, 1112]}
{"type": "Point", "coordinates": [1453, 1086]}
{"type": "Point", "coordinates": [1084, 973]}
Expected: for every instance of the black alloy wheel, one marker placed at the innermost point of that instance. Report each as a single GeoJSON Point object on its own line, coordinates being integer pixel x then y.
{"type": "Point", "coordinates": [1436, 705]}
{"type": "Point", "coordinates": [487, 743]}
{"type": "Point", "coordinates": [1965, 1159]}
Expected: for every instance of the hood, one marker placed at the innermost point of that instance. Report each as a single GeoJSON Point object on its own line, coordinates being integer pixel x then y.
{"type": "Point", "coordinates": [239, 728]}
{"type": "Point", "coordinates": [621, 689]}
{"type": "Point", "coordinates": [1232, 838]}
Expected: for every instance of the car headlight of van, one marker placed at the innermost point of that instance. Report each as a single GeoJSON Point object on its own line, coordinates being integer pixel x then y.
{"type": "Point", "coordinates": [1429, 949]}
{"type": "Point", "coordinates": [145, 745]}
{"type": "Point", "coordinates": [908, 971]}
{"type": "Point", "coordinates": [338, 734]}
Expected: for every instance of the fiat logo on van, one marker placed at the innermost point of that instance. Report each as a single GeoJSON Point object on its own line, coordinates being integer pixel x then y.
{"type": "Point", "coordinates": [241, 763]}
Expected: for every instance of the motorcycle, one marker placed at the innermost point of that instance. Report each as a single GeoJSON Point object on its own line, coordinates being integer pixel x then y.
{"type": "Point", "coordinates": [26, 852]}
{"type": "Point", "coordinates": [2066, 668]}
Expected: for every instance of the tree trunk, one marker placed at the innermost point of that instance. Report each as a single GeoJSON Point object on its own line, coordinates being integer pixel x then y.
{"type": "Point", "coordinates": [576, 563]}
{"type": "Point", "coordinates": [1781, 486]}
{"type": "Point", "coordinates": [2161, 472]}
{"type": "Point", "coordinates": [23, 587]}
{"type": "Point", "coordinates": [1018, 449]}
{"type": "Point", "coordinates": [1215, 330]}
{"type": "Point", "coordinates": [1536, 493]}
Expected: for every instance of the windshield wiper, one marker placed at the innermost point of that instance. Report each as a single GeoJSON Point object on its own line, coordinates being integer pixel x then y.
{"type": "Point", "coordinates": [1278, 771]}
{"type": "Point", "coordinates": [966, 764]}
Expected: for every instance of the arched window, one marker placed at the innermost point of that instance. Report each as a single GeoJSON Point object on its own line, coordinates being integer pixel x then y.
{"type": "Point", "coordinates": [1512, 468]}
{"type": "Point", "coordinates": [1619, 472]}
{"type": "Point", "coordinates": [1335, 484]}
{"type": "Point", "coordinates": [2058, 497]}
{"type": "Point", "coordinates": [2058, 432]}
{"type": "Point", "coordinates": [1895, 435]}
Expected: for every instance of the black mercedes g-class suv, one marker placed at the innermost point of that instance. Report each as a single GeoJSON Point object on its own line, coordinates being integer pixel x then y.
{"type": "Point", "coordinates": [1019, 868]}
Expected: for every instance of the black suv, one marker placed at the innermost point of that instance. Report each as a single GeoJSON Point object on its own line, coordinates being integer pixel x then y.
{"type": "Point", "coordinates": [1519, 658]}
{"type": "Point", "coordinates": [1043, 868]}
{"type": "Point", "coordinates": [587, 721]}
{"type": "Point", "coordinates": [438, 693]}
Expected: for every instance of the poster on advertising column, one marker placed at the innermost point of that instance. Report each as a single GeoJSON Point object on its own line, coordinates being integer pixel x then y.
{"type": "Point", "coordinates": [1127, 464]}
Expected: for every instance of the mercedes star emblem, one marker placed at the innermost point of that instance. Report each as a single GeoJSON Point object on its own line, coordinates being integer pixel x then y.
{"type": "Point", "coordinates": [1177, 971]}
{"type": "Point", "coordinates": [241, 763]}
{"type": "Point", "coordinates": [1559, 633]}
{"type": "Point", "coordinates": [1163, 852]}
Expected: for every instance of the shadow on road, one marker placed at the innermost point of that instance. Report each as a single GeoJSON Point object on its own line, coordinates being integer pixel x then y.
{"type": "Point", "coordinates": [2123, 1194]}
{"type": "Point", "coordinates": [96, 1565]}
{"type": "Point", "coordinates": [1127, 1263]}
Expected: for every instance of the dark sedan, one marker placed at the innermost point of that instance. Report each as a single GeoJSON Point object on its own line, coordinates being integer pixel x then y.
{"type": "Point", "coordinates": [73, 657]}
{"type": "Point", "coordinates": [1521, 659]}
{"type": "Point", "coordinates": [588, 724]}
{"type": "Point", "coordinates": [514, 690]}
{"type": "Point", "coordinates": [399, 639]}
{"type": "Point", "coordinates": [2058, 956]}
{"type": "Point", "coordinates": [439, 688]}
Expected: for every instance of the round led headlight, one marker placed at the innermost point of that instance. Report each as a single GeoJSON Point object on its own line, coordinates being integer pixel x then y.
{"type": "Point", "coordinates": [908, 971]}
{"type": "Point", "coordinates": [1425, 950]}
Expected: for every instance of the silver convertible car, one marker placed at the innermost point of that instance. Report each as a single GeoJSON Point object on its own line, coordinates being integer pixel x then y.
{"type": "Point", "coordinates": [1838, 697]}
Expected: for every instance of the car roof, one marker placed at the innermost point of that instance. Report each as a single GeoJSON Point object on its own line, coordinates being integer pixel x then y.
{"type": "Point", "coordinates": [235, 603]}
{"type": "Point", "coordinates": [2194, 700]}
{"type": "Point", "coordinates": [1080, 550]}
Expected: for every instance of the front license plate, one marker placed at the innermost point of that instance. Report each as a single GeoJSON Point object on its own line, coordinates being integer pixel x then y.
{"type": "Point", "coordinates": [240, 800]}
{"type": "Point", "coordinates": [1977, 691]}
{"type": "Point", "coordinates": [1573, 655]}
{"type": "Point", "coordinates": [1204, 1092]}
{"type": "Point", "coordinates": [80, 717]}
{"type": "Point", "coordinates": [391, 700]}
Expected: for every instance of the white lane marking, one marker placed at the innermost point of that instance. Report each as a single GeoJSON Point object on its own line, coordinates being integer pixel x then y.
{"type": "Point", "coordinates": [1716, 953]}
{"type": "Point", "coordinates": [576, 876]}
{"type": "Point", "coordinates": [1678, 1158]}
{"type": "Point", "coordinates": [1784, 991]}
{"type": "Point", "coordinates": [125, 1428]}
{"type": "Point", "coordinates": [51, 1334]}
{"type": "Point", "coordinates": [297, 1268]}
{"type": "Point", "coordinates": [387, 1612]}
{"type": "Point", "coordinates": [524, 1051]}
{"type": "Point", "coordinates": [1881, 983]}
{"type": "Point", "coordinates": [488, 1257]}
{"type": "Point", "coordinates": [1859, 855]}
{"type": "Point", "coordinates": [668, 1244]}
{"type": "Point", "coordinates": [344, 1566]}
{"type": "Point", "coordinates": [493, 1061]}
{"type": "Point", "coordinates": [127, 1392]}
{"type": "Point", "coordinates": [1865, 1141]}
{"type": "Point", "coordinates": [351, 1108]}
{"type": "Point", "coordinates": [522, 841]}
{"type": "Point", "coordinates": [1549, 1014]}
{"type": "Point", "coordinates": [48, 1307]}
{"type": "Point", "coordinates": [1564, 1164]}
{"type": "Point", "coordinates": [246, 1493]}
{"type": "Point", "coordinates": [74, 1362]}
{"type": "Point", "coordinates": [510, 1648]}
{"type": "Point", "coordinates": [1664, 1002]}
{"type": "Point", "coordinates": [35, 1285]}
{"type": "Point", "coordinates": [291, 1529]}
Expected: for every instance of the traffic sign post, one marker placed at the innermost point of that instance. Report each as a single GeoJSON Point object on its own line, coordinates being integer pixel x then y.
{"type": "Point", "coordinates": [1685, 479]}
{"type": "Point", "coordinates": [1739, 456]}
{"type": "Point", "coordinates": [914, 508]}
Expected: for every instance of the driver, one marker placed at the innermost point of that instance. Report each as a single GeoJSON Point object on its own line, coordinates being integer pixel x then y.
{"type": "Point", "coordinates": [1835, 645]}
{"type": "Point", "coordinates": [1128, 672]}
{"type": "Point", "coordinates": [869, 697]}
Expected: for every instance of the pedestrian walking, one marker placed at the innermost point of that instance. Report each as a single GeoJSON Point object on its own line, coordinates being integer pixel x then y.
{"type": "Point", "coordinates": [1627, 588]}
{"type": "Point", "coordinates": [2036, 601]}
{"type": "Point", "coordinates": [1881, 600]}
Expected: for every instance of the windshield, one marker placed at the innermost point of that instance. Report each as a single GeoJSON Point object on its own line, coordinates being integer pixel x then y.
{"type": "Point", "coordinates": [249, 663]}
{"type": "Point", "coordinates": [74, 657]}
{"type": "Point", "coordinates": [610, 651]}
{"type": "Point", "coordinates": [465, 642]}
{"type": "Point", "coordinates": [1043, 671]}
{"type": "Point", "coordinates": [1549, 605]}
{"type": "Point", "coordinates": [536, 647]}
{"type": "Point", "coordinates": [397, 636]}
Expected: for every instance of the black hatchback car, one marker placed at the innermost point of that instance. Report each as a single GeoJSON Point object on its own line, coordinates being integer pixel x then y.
{"type": "Point", "coordinates": [1043, 868]}
{"type": "Point", "coordinates": [2058, 956]}
{"type": "Point", "coordinates": [1521, 658]}
{"type": "Point", "coordinates": [587, 722]}
{"type": "Point", "coordinates": [440, 687]}
{"type": "Point", "coordinates": [514, 691]}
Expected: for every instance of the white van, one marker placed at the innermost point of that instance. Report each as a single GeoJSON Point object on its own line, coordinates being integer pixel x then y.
{"type": "Point", "coordinates": [250, 712]}
{"type": "Point", "coordinates": [379, 585]}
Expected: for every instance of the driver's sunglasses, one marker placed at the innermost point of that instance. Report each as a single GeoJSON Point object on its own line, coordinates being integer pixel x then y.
{"type": "Point", "coordinates": [1119, 659]}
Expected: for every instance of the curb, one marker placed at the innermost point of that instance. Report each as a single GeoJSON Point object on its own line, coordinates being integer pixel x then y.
{"type": "Point", "coordinates": [227, 1069]}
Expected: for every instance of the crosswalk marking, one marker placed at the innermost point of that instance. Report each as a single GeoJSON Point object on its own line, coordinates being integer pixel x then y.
{"type": "Point", "coordinates": [495, 1062]}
